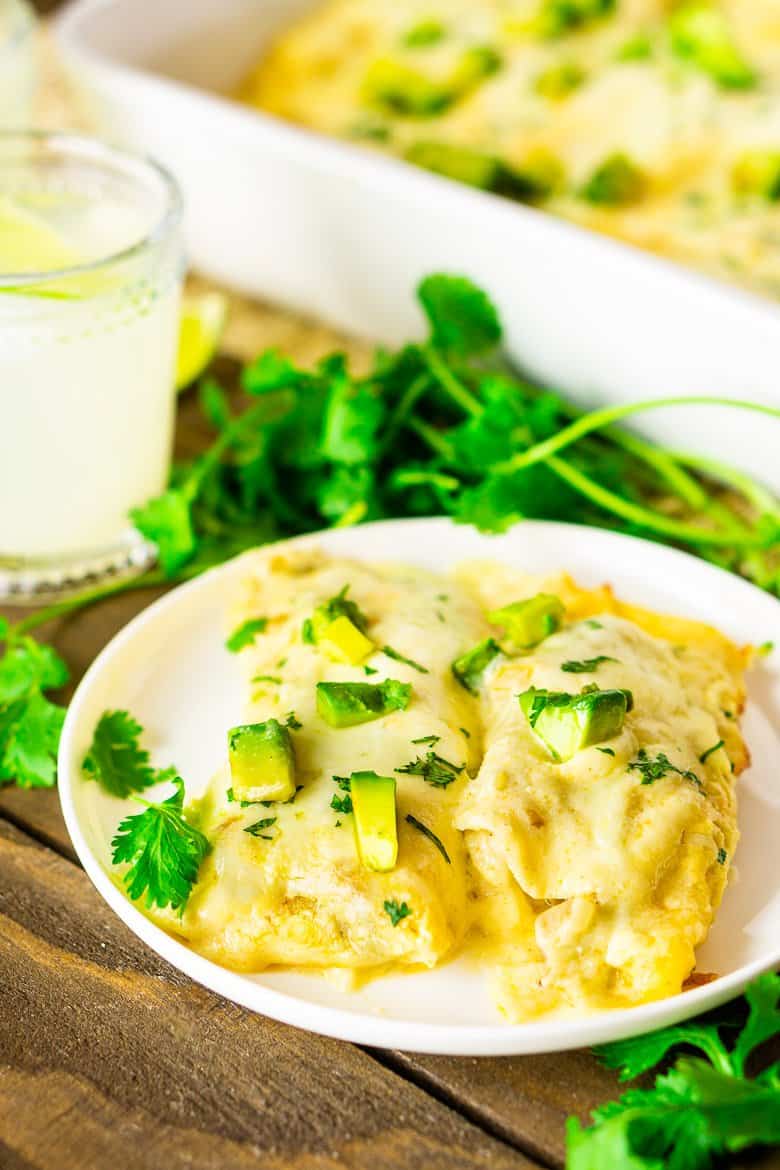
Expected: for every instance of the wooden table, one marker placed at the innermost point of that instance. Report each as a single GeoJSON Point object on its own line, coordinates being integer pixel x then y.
{"type": "Point", "coordinates": [111, 1060]}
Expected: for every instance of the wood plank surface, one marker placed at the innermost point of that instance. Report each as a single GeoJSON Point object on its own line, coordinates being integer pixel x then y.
{"type": "Point", "coordinates": [109, 1057]}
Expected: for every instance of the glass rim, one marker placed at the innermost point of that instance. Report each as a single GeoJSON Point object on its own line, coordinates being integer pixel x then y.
{"type": "Point", "coordinates": [22, 25]}
{"type": "Point", "coordinates": [90, 149]}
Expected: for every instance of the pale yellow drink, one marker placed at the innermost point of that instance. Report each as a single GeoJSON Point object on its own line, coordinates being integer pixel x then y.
{"type": "Point", "coordinates": [89, 298]}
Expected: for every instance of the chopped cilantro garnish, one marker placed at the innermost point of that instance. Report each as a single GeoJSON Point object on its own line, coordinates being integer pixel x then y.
{"type": "Point", "coordinates": [271, 678]}
{"type": "Point", "coordinates": [341, 804]}
{"type": "Point", "coordinates": [163, 850]}
{"type": "Point", "coordinates": [245, 634]}
{"type": "Point", "coordinates": [705, 755]}
{"type": "Point", "coordinates": [722, 856]}
{"type": "Point", "coordinates": [256, 830]}
{"type": "Point", "coordinates": [586, 665]}
{"type": "Point", "coordinates": [434, 769]}
{"type": "Point", "coordinates": [394, 654]}
{"type": "Point", "coordinates": [429, 833]}
{"type": "Point", "coordinates": [656, 769]}
{"type": "Point", "coordinates": [292, 722]}
{"type": "Point", "coordinates": [465, 731]}
{"type": "Point", "coordinates": [369, 670]}
{"type": "Point", "coordinates": [606, 751]}
{"type": "Point", "coordinates": [765, 649]}
{"type": "Point", "coordinates": [395, 911]}
{"type": "Point", "coordinates": [431, 740]}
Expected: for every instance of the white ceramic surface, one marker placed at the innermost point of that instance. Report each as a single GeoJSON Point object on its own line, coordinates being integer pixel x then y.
{"type": "Point", "coordinates": [170, 669]}
{"type": "Point", "coordinates": [344, 233]}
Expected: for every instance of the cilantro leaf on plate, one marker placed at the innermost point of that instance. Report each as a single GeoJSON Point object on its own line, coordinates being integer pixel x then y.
{"type": "Point", "coordinates": [245, 634]}
{"type": "Point", "coordinates": [163, 850]}
{"type": "Point", "coordinates": [115, 757]}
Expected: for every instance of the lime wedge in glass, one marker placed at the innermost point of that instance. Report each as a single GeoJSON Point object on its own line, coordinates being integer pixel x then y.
{"type": "Point", "coordinates": [28, 244]}
{"type": "Point", "coordinates": [200, 330]}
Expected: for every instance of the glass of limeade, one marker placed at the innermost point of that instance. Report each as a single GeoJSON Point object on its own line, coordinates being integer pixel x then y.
{"type": "Point", "coordinates": [90, 281]}
{"type": "Point", "coordinates": [17, 62]}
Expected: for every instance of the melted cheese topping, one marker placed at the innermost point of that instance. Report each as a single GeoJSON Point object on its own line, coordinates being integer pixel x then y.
{"type": "Point", "coordinates": [304, 897]}
{"type": "Point", "coordinates": [683, 130]}
{"type": "Point", "coordinates": [580, 887]}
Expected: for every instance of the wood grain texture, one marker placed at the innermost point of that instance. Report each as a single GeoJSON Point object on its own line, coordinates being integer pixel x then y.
{"type": "Point", "coordinates": [110, 1057]}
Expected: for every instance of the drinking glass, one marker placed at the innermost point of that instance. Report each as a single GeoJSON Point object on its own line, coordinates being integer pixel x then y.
{"type": "Point", "coordinates": [90, 281]}
{"type": "Point", "coordinates": [17, 62]}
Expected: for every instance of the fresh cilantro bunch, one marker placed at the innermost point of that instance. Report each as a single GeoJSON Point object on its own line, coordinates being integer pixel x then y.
{"type": "Point", "coordinates": [30, 723]}
{"type": "Point", "coordinates": [704, 1107]}
{"type": "Point", "coordinates": [438, 427]}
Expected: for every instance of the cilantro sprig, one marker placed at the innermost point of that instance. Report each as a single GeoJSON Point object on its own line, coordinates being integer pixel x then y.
{"type": "Point", "coordinates": [704, 1107]}
{"type": "Point", "coordinates": [433, 768]}
{"type": "Point", "coordinates": [162, 849]}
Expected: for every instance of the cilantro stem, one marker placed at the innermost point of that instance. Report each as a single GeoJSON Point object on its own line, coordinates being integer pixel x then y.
{"type": "Point", "coordinates": [598, 419]}
{"type": "Point", "coordinates": [447, 380]}
{"type": "Point", "coordinates": [761, 499]}
{"type": "Point", "coordinates": [403, 408]}
{"type": "Point", "coordinates": [636, 514]}
{"type": "Point", "coordinates": [433, 438]}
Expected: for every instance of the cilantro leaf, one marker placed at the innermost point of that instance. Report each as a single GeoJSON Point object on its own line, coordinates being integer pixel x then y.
{"type": "Point", "coordinates": [30, 753]}
{"type": "Point", "coordinates": [256, 829]}
{"type": "Point", "coordinates": [395, 911]}
{"type": "Point", "coordinates": [763, 1022]}
{"type": "Point", "coordinates": [655, 769]}
{"type": "Point", "coordinates": [636, 1055]}
{"type": "Point", "coordinates": [586, 665]}
{"type": "Point", "coordinates": [463, 321]}
{"type": "Point", "coordinates": [115, 757]}
{"type": "Point", "coordinates": [353, 415]}
{"type": "Point", "coordinates": [166, 521]}
{"type": "Point", "coordinates": [164, 852]}
{"type": "Point", "coordinates": [245, 634]}
{"type": "Point", "coordinates": [30, 724]}
{"type": "Point", "coordinates": [429, 833]}
{"type": "Point", "coordinates": [434, 769]}
{"type": "Point", "coordinates": [398, 657]}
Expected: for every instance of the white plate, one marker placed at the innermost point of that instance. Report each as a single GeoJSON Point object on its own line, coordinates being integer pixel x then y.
{"type": "Point", "coordinates": [169, 667]}
{"type": "Point", "coordinates": [345, 233]}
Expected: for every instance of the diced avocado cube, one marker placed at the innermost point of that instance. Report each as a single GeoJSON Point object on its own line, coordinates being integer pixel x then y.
{"type": "Point", "coordinates": [376, 832]}
{"type": "Point", "coordinates": [397, 89]}
{"type": "Point", "coordinates": [335, 607]}
{"type": "Point", "coordinates": [348, 704]}
{"type": "Point", "coordinates": [567, 723]}
{"type": "Point", "coordinates": [344, 642]}
{"type": "Point", "coordinates": [558, 81]}
{"type": "Point", "coordinates": [700, 34]}
{"type": "Point", "coordinates": [456, 162]}
{"type": "Point", "coordinates": [471, 666]}
{"type": "Point", "coordinates": [757, 172]}
{"type": "Point", "coordinates": [616, 182]}
{"type": "Point", "coordinates": [527, 623]}
{"type": "Point", "coordinates": [262, 762]}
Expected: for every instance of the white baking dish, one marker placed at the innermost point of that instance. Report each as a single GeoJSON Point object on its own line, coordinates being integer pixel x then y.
{"type": "Point", "coordinates": [345, 234]}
